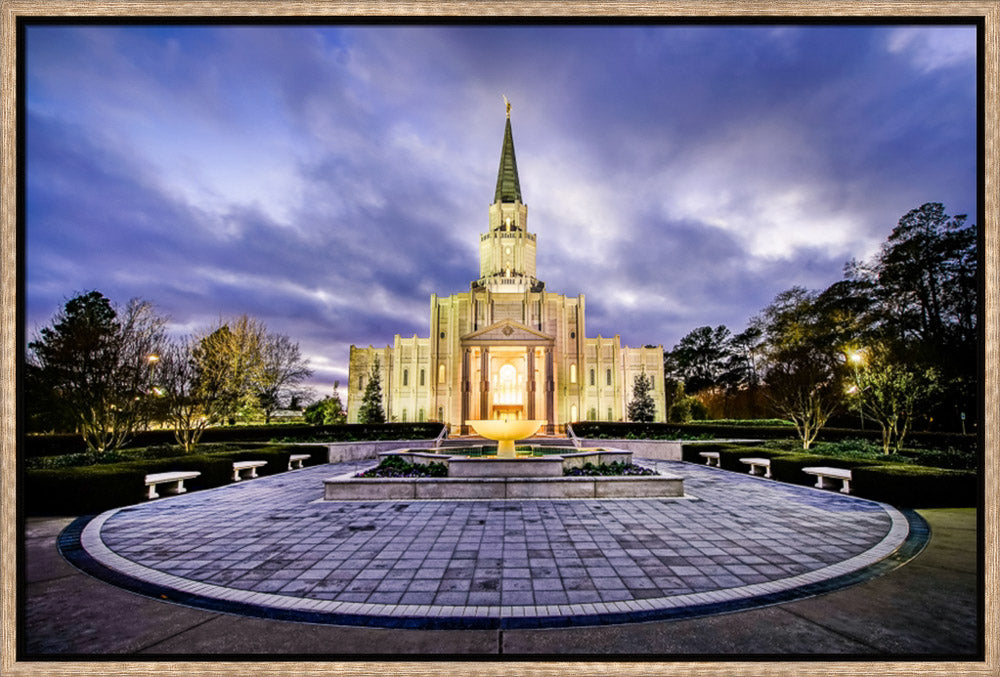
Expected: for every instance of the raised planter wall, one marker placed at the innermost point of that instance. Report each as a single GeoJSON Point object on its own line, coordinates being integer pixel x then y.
{"type": "Point", "coordinates": [423, 488]}
{"type": "Point", "coordinates": [358, 451]}
{"type": "Point", "coordinates": [657, 450]}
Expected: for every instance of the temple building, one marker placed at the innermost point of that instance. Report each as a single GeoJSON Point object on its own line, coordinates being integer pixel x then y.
{"type": "Point", "coordinates": [507, 346]}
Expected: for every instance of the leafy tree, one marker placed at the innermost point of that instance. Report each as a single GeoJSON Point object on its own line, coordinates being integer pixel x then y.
{"type": "Point", "coordinates": [246, 370]}
{"type": "Point", "coordinates": [687, 409]}
{"type": "Point", "coordinates": [804, 386]}
{"type": "Point", "coordinates": [889, 392]}
{"type": "Point", "coordinates": [700, 358]}
{"type": "Point", "coordinates": [94, 364]}
{"type": "Point", "coordinates": [805, 371]}
{"type": "Point", "coordinates": [328, 411]}
{"type": "Point", "coordinates": [642, 408]}
{"type": "Point", "coordinates": [225, 361]}
{"type": "Point", "coordinates": [371, 403]}
{"type": "Point", "coordinates": [924, 299]}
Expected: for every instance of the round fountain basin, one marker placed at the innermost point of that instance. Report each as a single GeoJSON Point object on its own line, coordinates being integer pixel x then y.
{"type": "Point", "coordinates": [505, 430]}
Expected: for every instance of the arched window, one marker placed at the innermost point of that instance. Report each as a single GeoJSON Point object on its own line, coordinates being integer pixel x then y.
{"type": "Point", "coordinates": [591, 377]}
{"type": "Point", "coordinates": [609, 377]}
{"type": "Point", "coordinates": [572, 373]}
{"type": "Point", "coordinates": [421, 377]}
{"type": "Point", "coordinates": [361, 383]}
{"type": "Point", "coordinates": [572, 413]}
{"type": "Point", "coordinates": [406, 377]}
{"type": "Point", "coordinates": [441, 373]}
{"type": "Point", "coordinates": [404, 416]}
{"type": "Point", "coordinates": [609, 414]}
{"type": "Point", "coordinates": [421, 415]}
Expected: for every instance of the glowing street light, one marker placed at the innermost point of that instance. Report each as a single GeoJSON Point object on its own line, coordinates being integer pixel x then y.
{"type": "Point", "coordinates": [857, 358]}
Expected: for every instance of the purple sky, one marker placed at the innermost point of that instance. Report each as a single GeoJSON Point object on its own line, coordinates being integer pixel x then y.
{"type": "Point", "coordinates": [327, 179]}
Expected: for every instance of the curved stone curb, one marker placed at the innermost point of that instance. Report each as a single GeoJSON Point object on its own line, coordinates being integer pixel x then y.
{"type": "Point", "coordinates": [82, 545]}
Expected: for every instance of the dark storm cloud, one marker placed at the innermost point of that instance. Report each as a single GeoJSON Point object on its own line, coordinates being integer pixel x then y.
{"type": "Point", "coordinates": [328, 179]}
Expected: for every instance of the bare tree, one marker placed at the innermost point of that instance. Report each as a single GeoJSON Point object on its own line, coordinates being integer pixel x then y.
{"type": "Point", "coordinates": [189, 407]}
{"type": "Point", "coordinates": [281, 369]}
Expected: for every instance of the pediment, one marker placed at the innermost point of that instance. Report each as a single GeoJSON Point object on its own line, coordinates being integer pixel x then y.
{"type": "Point", "coordinates": [507, 331]}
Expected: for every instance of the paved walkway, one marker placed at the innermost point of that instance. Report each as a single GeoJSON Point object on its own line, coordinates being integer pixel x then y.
{"type": "Point", "coordinates": [531, 562]}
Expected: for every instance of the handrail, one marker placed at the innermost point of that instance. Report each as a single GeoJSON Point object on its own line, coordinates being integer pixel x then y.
{"type": "Point", "coordinates": [572, 436]}
{"type": "Point", "coordinates": [441, 436]}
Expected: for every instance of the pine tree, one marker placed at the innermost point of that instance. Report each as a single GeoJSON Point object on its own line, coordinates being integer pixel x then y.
{"type": "Point", "coordinates": [371, 404]}
{"type": "Point", "coordinates": [642, 409]}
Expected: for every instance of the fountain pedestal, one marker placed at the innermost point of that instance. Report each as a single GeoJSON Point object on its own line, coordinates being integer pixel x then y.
{"type": "Point", "coordinates": [505, 433]}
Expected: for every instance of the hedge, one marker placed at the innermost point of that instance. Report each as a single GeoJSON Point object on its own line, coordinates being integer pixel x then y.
{"type": "Point", "coordinates": [276, 458]}
{"type": "Point", "coordinates": [628, 430]}
{"type": "Point", "coordinates": [787, 467]}
{"type": "Point", "coordinates": [729, 458]}
{"type": "Point", "coordinates": [916, 486]}
{"type": "Point", "coordinates": [81, 491]}
{"type": "Point", "coordinates": [690, 452]}
{"type": "Point", "coordinates": [71, 443]}
{"type": "Point", "coordinates": [216, 470]}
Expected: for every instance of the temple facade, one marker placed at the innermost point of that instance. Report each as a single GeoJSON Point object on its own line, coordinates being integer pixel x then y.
{"type": "Point", "coordinates": [507, 346]}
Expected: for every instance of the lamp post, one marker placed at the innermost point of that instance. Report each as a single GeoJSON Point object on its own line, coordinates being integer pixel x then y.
{"type": "Point", "coordinates": [152, 359]}
{"type": "Point", "coordinates": [857, 358]}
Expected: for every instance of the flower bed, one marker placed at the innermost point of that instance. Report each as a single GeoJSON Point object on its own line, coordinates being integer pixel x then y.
{"type": "Point", "coordinates": [394, 466]}
{"type": "Point", "coordinates": [615, 468]}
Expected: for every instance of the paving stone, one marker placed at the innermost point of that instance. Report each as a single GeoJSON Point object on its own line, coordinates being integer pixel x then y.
{"type": "Point", "coordinates": [275, 531]}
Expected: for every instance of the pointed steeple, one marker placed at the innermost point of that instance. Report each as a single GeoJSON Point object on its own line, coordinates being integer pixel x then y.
{"type": "Point", "coordinates": [508, 185]}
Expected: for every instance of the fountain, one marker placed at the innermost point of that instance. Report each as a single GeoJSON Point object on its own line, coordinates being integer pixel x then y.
{"type": "Point", "coordinates": [506, 475]}
{"type": "Point", "coordinates": [505, 432]}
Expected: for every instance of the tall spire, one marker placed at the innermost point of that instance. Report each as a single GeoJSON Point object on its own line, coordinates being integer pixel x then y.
{"type": "Point", "coordinates": [508, 185]}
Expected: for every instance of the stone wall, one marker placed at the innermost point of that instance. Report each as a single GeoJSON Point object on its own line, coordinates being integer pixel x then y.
{"type": "Point", "coordinates": [357, 451]}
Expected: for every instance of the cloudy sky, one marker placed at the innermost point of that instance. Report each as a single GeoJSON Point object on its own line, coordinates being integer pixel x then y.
{"type": "Point", "coordinates": [327, 179]}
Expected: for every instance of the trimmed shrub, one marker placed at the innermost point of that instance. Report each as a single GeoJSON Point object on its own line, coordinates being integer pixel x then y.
{"type": "Point", "coordinates": [70, 443]}
{"type": "Point", "coordinates": [689, 452]}
{"type": "Point", "coordinates": [276, 457]}
{"type": "Point", "coordinates": [787, 467]}
{"type": "Point", "coordinates": [729, 458]}
{"type": "Point", "coordinates": [216, 471]}
{"type": "Point", "coordinates": [955, 459]}
{"type": "Point", "coordinates": [916, 486]}
{"type": "Point", "coordinates": [81, 491]}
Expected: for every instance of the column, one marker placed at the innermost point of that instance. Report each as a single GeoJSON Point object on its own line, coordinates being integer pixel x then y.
{"type": "Point", "coordinates": [484, 383]}
{"type": "Point", "coordinates": [466, 394]}
{"type": "Point", "coordinates": [530, 414]}
{"type": "Point", "coordinates": [550, 394]}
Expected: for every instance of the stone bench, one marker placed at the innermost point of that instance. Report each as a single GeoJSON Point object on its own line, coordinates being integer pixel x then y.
{"type": "Point", "coordinates": [755, 463]}
{"type": "Point", "coordinates": [176, 478]}
{"type": "Point", "coordinates": [241, 466]}
{"type": "Point", "coordinates": [835, 473]}
{"type": "Point", "coordinates": [296, 460]}
{"type": "Point", "coordinates": [708, 456]}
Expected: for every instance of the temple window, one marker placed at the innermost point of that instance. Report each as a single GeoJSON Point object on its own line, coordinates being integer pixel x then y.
{"type": "Point", "coordinates": [572, 373]}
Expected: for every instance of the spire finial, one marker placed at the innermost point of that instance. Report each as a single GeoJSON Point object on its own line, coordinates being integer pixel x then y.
{"type": "Point", "coordinates": [507, 102]}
